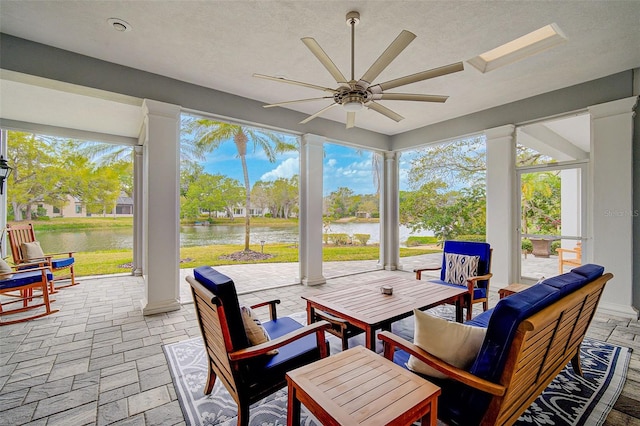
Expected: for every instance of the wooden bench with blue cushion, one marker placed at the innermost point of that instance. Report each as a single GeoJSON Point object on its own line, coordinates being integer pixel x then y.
{"type": "Point", "coordinates": [530, 337]}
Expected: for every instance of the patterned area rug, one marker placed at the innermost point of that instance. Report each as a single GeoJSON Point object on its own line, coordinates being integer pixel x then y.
{"type": "Point", "coordinates": [568, 400]}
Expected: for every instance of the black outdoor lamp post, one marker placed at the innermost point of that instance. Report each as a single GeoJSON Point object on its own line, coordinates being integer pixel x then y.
{"type": "Point", "coordinates": [262, 246]}
{"type": "Point", "coordinates": [5, 171]}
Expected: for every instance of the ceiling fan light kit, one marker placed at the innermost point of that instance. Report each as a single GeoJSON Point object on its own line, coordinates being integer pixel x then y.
{"type": "Point", "coordinates": [354, 95]}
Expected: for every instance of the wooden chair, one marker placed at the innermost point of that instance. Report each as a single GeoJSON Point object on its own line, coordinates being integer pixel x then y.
{"type": "Point", "coordinates": [478, 285]}
{"type": "Point", "coordinates": [20, 234]}
{"type": "Point", "coordinates": [248, 372]}
{"type": "Point", "coordinates": [575, 260]}
{"type": "Point", "coordinates": [23, 283]}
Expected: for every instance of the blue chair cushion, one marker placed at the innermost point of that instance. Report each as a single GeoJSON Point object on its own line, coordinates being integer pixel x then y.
{"type": "Point", "coordinates": [478, 292]}
{"type": "Point", "coordinates": [62, 263]}
{"type": "Point", "coordinates": [223, 287]}
{"type": "Point", "coordinates": [469, 248]}
{"type": "Point", "coordinates": [20, 279]}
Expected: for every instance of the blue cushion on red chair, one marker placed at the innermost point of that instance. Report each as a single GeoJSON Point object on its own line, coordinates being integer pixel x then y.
{"type": "Point", "coordinates": [224, 288]}
{"type": "Point", "coordinates": [62, 263]}
{"type": "Point", "coordinates": [468, 248]}
{"type": "Point", "coordinates": [23, 278]}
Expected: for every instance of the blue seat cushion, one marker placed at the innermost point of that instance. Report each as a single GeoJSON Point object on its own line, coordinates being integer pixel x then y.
{"type": "Point", "coordinates": [478, 292]}
{"type": "Point", "coordinates": [62, 263]}
{"type": "Point", "coordinates": [293, 355]}
{"type": "Point", "coordinates": [20, 279]}
{"type": "Point", "coordinates": [223, 287]}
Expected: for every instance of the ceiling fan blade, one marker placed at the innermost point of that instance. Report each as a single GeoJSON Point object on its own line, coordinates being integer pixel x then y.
{"type": "Point", "coordinates": [297, 83]}
{"type": "Point", "coordinates": [384, 111]}
{"type": "Point", "coordinates": [351, 119]}
{"type": "Point", "coordinates": [394, 49]}
{"type": "Point", "coordinates": [424, 75]}
{"type": "Point", "coordinates": [410, 97]}
{"type": "Point", "coordinates": [315, 48]}
{"type": "Point", "coordinates": [311, 117]}
{"type": "Point", "coordinates": [296, 101]}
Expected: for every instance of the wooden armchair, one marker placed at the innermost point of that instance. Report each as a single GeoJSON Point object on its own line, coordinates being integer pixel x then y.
{"type": "Point", "coordinates": [477, 284]}
{"type": "Point", "coordinates": [23, 283]}
{"type": "Point", "coordinates": [248, 372]}
{"type": "Point", "coordinates": [574, 260]}
{"type": "Point", "coordinates": [21, 234]}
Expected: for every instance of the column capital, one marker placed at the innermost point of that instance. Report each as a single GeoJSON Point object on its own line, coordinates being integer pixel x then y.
{"type": "Point", "coordinates": [621, 106]}
{"type": "Point", "coordinates": [151, 107]}
{"type": "Point", "coordinates": [311, 139]}
{"type": "Point", "coordinates": [500, 132]}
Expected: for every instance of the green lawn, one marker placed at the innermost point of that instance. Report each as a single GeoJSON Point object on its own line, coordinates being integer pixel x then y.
{"type": "Point", "coordinates": [109, 261]}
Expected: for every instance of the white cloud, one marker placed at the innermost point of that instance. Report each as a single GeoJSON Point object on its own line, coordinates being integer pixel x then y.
{"type": "Point", "coordinates": [287, 169]}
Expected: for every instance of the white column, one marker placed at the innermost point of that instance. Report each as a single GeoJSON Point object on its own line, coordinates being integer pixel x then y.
{"type": "Point", "coordinates": [571, 205]}
{"type": "Point", "coordinates": [3, 198]}
{"type": "Point", "coordinates": [311, 174]}
{"type": "Point", "coordinates": [161, 206]}
{"type": "Point", "coordinates": [611, 204]}
{"type": "Point", "coordinates": [501, 202]}
{"type": "Point", "coordinates": [390, 213]}
{"type": "Point", "coordinates": [138, 211]}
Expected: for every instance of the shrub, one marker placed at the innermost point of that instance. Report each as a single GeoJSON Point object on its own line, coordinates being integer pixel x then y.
{"type": "Point", "coordinates": [362, 238]}
{"type": "Point", "coordinates": [554, 246]}
{"type": "Point", "coordinates": [476, 238]}
{"type": "Point", "coordinates": [339, 239]}
{"type": "Point", "coordinates": [527, 246]}
{"type": "Point", "coordinates": [416, 241]}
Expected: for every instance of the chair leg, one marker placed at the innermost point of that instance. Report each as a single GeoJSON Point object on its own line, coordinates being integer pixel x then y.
{"type": "Point", "coordinates": [211, 380]}
{"type": "Point", "coordinates": [243, 414]}
{"type": "Point", "coordinates": [469, 310]}
{"type": "Point", "coordinates": [575, 363]}
{"type": "Point", "coordinates": [485, 305]}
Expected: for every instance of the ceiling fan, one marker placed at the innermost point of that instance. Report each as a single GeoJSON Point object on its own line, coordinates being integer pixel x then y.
{"type": "Point", "coordinates": [354, 95]}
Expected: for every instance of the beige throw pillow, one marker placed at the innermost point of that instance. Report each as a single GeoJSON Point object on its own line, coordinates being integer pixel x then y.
{"type": "Point", "coordinates": [32, 251]}
{"type": "Point", "coordinates": [5, 269]}
{"type": "Point", "coordinates": [460, 267]}
{"type": "Point", "coordinates": [256, 333]}
{"type": "Point", "coordinates": [455, 343]}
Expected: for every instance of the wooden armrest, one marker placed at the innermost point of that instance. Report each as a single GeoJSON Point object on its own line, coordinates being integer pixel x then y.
{"type": "Point", "coordinates": [471, 281]}
{"type": "Point", "coordinates": [27, 266]}
{"type": "Point", "coordinates": [261, 349]}
{"type": "Point", "coordinates": [69, 253]}
{"type": "Point", "coordinates": [272, 308]}
{"type": "Point", "coordinates": [391, 341]}
{"type": "Point", "coordinates": [338, 322]}
{"type": "Point", "coordinates": [418, 271]}
{"type": "Point", "coordinates": [6, 274]}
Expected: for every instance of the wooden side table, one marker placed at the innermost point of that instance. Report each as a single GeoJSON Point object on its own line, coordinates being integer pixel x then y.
{"type": "Point", "coordinates": [360, 387]}
{"type": "Point", "coordinates": [512, 289]}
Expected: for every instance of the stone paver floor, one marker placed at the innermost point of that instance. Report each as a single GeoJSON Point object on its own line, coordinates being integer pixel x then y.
{"type": "Point", "coordinates": [100, 361]}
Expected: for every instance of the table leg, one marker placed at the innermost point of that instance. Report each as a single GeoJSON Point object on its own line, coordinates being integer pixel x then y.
{"type": "Point", "coordinates": [370, 338]}
{"type": "Point", "coordinates": [459, 303]}
{"type": "Point", "coordinates": [293, 406]}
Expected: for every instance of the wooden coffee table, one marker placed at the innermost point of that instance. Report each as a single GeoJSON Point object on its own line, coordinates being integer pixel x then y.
{"type": "Point", "coordinates": [360, 387]}
{"type": "Point", "coordinates": [512, 289]}
{"type": "Point", "coordinates": [366, 308]}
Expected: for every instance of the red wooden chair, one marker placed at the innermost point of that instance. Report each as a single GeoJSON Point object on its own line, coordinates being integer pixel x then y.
{"type": "Point", "coordinates": [24, 282]}
{"type": "Point", "coordinates": [21, 234]}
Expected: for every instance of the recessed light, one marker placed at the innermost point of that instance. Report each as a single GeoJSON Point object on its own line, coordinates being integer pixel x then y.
{"type": "Point", "coordinates": [535, 42]}
{"type": "Point", "coordinates": [119, 24]}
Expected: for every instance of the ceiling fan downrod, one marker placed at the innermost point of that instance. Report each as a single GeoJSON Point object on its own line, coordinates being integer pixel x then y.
{"type": "Point", "coordinates": [353, 18]}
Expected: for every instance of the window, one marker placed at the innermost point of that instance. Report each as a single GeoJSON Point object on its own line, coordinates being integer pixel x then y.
{"type": "Point", "coordinates": [78, 208]}
{"type": "Point", "coordinates": [56, 210]}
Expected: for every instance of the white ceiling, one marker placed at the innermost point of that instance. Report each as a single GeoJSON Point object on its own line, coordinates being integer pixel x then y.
{"type": "Point", "coordinates": [220, 44]}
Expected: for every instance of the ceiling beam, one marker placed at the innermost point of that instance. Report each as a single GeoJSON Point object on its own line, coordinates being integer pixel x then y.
{"type": "Point", "coordinates": [547, 142]}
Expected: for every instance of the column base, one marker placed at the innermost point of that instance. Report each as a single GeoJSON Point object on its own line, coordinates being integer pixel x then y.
{"type": "Point", "coordinates": [314, 281]}
{"type": "Point", "coordinates": [159, 307]}
{"type": "Point", "coordinates": [614, 309]}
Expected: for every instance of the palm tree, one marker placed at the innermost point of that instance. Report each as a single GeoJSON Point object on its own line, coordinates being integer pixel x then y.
{"type": "Point", "coordinates": [210, 134]}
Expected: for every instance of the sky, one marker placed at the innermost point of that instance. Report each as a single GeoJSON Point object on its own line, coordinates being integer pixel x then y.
{"type": "Point", "coordinates": [343, 167]}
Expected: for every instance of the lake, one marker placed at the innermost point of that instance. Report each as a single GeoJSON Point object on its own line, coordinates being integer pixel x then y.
{"type": "Point", "coordinates": [193, 236]}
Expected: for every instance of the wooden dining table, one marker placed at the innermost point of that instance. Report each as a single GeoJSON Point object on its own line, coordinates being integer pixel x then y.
{"type": "Point", "coordinates": [367, 308]}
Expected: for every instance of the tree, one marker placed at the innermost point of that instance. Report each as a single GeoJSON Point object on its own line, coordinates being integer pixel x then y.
{"type": "Point", "coordinates": [341, 203]}
{"type": "Point", "coordinates": [540, 202]}
{"type": "Point", "coordinates": [209, 135]}
{"type": "Point", "coordinates": [212, 193]}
